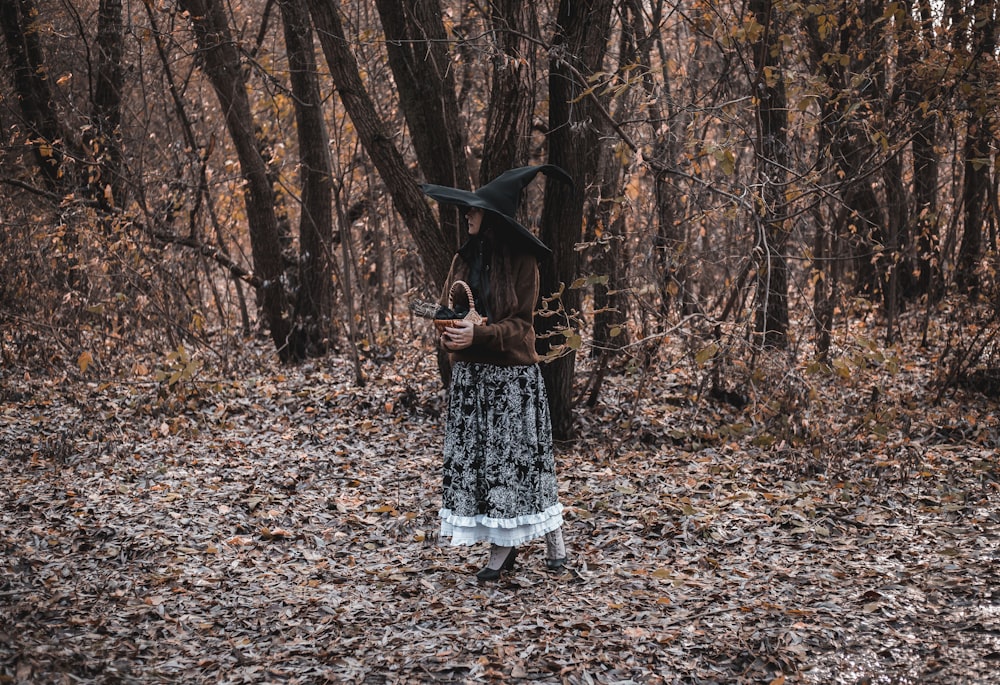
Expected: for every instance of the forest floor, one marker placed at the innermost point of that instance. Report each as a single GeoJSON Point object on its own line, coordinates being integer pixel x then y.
{"type": "Point", "coordinates": [279, 525]}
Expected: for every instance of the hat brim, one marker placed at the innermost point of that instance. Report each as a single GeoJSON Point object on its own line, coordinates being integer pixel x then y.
{"type": "Point", "coordinates": [469, 200]}
{"type": "Point", "coordinates": [453, 196]}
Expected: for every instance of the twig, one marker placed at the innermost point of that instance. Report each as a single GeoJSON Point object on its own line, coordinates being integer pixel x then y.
{"type": "Point", "coordinates": [211, 252]}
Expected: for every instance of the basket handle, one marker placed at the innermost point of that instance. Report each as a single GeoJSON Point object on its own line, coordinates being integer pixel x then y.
{"type": "Point", "coordinates": [473, 316]}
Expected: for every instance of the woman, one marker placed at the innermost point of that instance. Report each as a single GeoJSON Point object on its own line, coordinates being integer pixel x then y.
{"type": "Point", "coordinates": [499, 469]}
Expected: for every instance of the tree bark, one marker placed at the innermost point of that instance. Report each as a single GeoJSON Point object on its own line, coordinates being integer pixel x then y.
{"type": "Point", "coordinates": [406, 194]}
{"type": "Point", "coordinates": [221, 64]}
{"type": "Point", "coordinates": [893, 266]}
{"type": "Point", "coordinates": [416, 43]}
{"type": "Point", "coordinates": [975, 185]}
{"type": "Point", "coordinates": [610, 260]}
{"type": "Point", "coordinates": [34, 94]}
{"type": "Point", "coordinates": [577, 47]}
{"type": "Point", "coordinates": [850, 150]}
{"type": "Point", "coordinates": [924, 218]}
{"type": "Point", "coordinates": [670, 241]}
{"type": "Point", "coordinates": [771, 161]}
{"type": "Point", "coordinates": [313, 311]}
{"type": "Point", "coordinates": [107, 104]}
{"type": "Point", "coordinates": [867, 49]}
{"type": "Point", "coordinates": [976, 152]}
{"type": "Point", "coordinates": [608, 263]}
{"type": "Point", "coordinates": [509, 112]}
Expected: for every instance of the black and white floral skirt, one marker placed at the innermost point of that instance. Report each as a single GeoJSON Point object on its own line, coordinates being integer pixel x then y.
{"type": "Point", "coordinates": [499, 470]}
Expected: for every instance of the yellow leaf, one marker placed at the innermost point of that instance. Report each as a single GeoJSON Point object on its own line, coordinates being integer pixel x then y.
{"type": "Point", "coordinates": [84, 360]}
{"type": "Point", "coordinates": [705, 354]}
{"type": "Point", "coordinates": [726, 160]}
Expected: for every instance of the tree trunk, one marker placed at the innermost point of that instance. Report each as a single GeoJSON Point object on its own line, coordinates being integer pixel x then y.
{"type": "Point", "coordinates": [850, 149]}
{"type": "Point", "coordinates": [221, 63]}
{"type": "Point", "coordinates": [826, 243]}
{"type": "Point", "coordinates": [416, 43]}
{"type": "Point", "coordinates": [31, 83]}
{"type": "Point", "coordinates": [924, 219]}
{"type": "Point", "coordinates": [610, 259]}
{"type": "Point", "coordinates": [509, 112]}
{"type": "Point", "coordinates": [670, 242]}
{"type": "Point", "coordinates": [107, 146]}
{"type": "Point", "coordinates": [406, 194]}
{"type": "Point", "coordinates": [313, 313]}
{"type": "Point", "coordinates": [975, 185]}
{"type": "Point", "coordinates": [197, 155]}
{"type": "Point", "coordinates": [897, 268]}
{"type": "Point", "coordinates": [771, 162]}
{"type": "Point", "coordinates": [894, 270]}
{"type": "Point", "coordinates": [608, 263]}
{"type": "Point", "coordinates": [577, 48]}
{"type": "Point", "coordinates": [976, 153]}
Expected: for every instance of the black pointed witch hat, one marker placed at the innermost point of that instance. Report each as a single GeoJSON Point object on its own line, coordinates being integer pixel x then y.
{"type": "Point", "coordinates": [501, 196]}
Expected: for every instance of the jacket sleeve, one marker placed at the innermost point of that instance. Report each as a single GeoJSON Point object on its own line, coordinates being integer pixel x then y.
{"type": "Point", "coordinates": [512, 331]}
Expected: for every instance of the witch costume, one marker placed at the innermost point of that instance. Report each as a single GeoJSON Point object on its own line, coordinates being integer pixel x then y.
{"type": "Point", "coordinates": [499, 469]}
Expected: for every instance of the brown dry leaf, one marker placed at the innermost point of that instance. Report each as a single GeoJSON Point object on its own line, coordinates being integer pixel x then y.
{"type": "Point", "coordinates": [284, 529]}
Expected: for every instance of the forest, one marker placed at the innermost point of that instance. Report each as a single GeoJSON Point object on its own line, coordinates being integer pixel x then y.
{"type": "Point", "coordinates": [768, 332]}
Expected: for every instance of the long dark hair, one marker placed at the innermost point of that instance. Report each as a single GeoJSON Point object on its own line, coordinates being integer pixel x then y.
{"type": "Point", "coordinates": [503, 298]}
{"type": "Point", "coordinates": [497, 257]}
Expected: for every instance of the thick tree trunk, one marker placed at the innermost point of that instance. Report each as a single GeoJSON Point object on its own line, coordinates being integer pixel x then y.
{"type": "Point", "coordinates": [416, 43]}
{"type": "Point", "coordinates": [221, 63]}
{"type": "Point", "coordinates": [402, 186]}
{"type": "Point", "coordinates": [512, 98]}
{"type": "Point", "coordinates": [578, 48]}
{"type": "Point", "coordinates": [897, 266]}
{"type": "Point", "coordinates": [313, 313]}
{"type": "Point", "coordinates": [828, 221]}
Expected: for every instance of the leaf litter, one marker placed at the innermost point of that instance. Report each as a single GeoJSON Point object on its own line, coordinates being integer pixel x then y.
{"type": "Point", "coordinates": [280, 526]}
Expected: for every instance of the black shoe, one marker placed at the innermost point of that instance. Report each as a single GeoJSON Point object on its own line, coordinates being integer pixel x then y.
{"type": "Point", "coordinates": [488, 574]}
{"type": "Point", "coordinates": [556, 564]}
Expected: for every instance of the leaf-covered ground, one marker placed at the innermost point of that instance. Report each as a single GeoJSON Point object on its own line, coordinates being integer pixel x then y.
{"type": "Point", "coordinates": [281, 527]}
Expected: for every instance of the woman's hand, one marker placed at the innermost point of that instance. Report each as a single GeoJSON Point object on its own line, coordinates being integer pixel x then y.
{"type": "Point", "coordinates": [459, 336]}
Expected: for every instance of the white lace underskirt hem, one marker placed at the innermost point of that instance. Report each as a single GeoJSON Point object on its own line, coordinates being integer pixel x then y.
{"type": "Point", "coordinates": [468, 530]}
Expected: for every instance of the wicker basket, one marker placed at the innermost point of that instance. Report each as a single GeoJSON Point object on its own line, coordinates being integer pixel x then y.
{"type": "Point", "coordinates": [473, 316]}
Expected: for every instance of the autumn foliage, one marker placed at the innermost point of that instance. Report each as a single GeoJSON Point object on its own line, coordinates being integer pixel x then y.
{"type": "Point", "coordinates": [769, 330]}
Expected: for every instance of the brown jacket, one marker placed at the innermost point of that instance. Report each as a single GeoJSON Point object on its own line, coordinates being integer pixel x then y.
{"type": "Point", "coordinates": [509, 341]}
